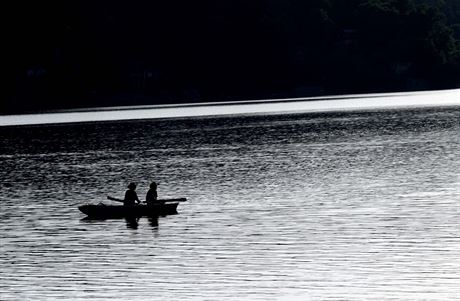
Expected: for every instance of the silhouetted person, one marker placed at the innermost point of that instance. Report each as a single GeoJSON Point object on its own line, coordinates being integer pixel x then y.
{"type": "Point", "coordinates": [131, 195]}
{"type": "Point", "coordinates": [152, 195]}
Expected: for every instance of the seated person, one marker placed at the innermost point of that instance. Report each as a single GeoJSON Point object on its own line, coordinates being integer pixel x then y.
{"type": "Point", "coordinates": [131, 195]}
{"type": "Point", "coordinates": [152, 196]}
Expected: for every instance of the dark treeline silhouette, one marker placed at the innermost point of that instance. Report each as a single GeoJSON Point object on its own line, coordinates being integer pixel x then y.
{"type": "Point", "coordinates": [70, 54]}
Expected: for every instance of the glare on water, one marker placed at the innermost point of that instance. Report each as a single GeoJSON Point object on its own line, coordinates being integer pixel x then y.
{"type": "Point", "coordinates": [321, 206]}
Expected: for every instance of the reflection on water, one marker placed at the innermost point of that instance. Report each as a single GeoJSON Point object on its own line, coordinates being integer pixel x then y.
{"type": "Point", "coordinates": [330, 206]}
{"type": "Point", "coordinates": [132, 222]}
{"type": "Point", "coordinates": [153, 222]}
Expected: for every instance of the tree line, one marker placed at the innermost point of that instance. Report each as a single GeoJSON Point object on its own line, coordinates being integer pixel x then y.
{"type": "Point", "coordinates": [96, 53]}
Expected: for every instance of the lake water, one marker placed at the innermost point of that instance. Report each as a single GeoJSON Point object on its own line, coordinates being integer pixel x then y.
{"type": "Point", "coordinates": [319, 206]}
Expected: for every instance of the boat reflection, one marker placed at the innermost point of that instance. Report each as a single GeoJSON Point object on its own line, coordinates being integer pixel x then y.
{"type": "Point", "coordinates": [153, 221]}
{"type": "Point", "coordinates": [132, 222]}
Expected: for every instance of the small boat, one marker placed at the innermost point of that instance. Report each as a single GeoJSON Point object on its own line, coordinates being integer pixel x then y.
{"type": "Point", "coordinates": [164, 207]}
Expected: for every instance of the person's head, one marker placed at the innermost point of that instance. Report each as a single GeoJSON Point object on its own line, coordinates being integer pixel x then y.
{"type": "Point", "coordinates": [153, 185]}
{"type": "Point", "coordinates": [132, 186]}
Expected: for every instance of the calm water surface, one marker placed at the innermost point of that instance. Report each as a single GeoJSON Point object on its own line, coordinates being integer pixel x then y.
{"type": "Point", "coordinates": [323, 206]}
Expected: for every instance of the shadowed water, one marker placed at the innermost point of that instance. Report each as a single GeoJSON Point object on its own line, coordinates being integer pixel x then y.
{"type": "Point", "coordinates": [323, 206]}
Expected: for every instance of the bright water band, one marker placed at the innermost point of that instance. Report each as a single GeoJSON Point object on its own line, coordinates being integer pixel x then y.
{"type": "Point", "coordinates": [315, 104]}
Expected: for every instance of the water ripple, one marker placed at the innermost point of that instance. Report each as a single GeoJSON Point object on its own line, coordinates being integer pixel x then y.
{"type": "Point", "coordinates": [333, 206]}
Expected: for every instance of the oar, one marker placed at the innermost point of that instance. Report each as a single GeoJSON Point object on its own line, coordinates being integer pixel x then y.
{"type": "Point", "coordinates": [172, 200]}
{"type": "Point", "coordinates": [159, 201]}
{"type": "Point", "coordinates": [114, 199]}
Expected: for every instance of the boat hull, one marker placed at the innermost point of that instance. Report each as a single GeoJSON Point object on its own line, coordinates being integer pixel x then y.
{"type": "Point", "coordinates": [120, 211]}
